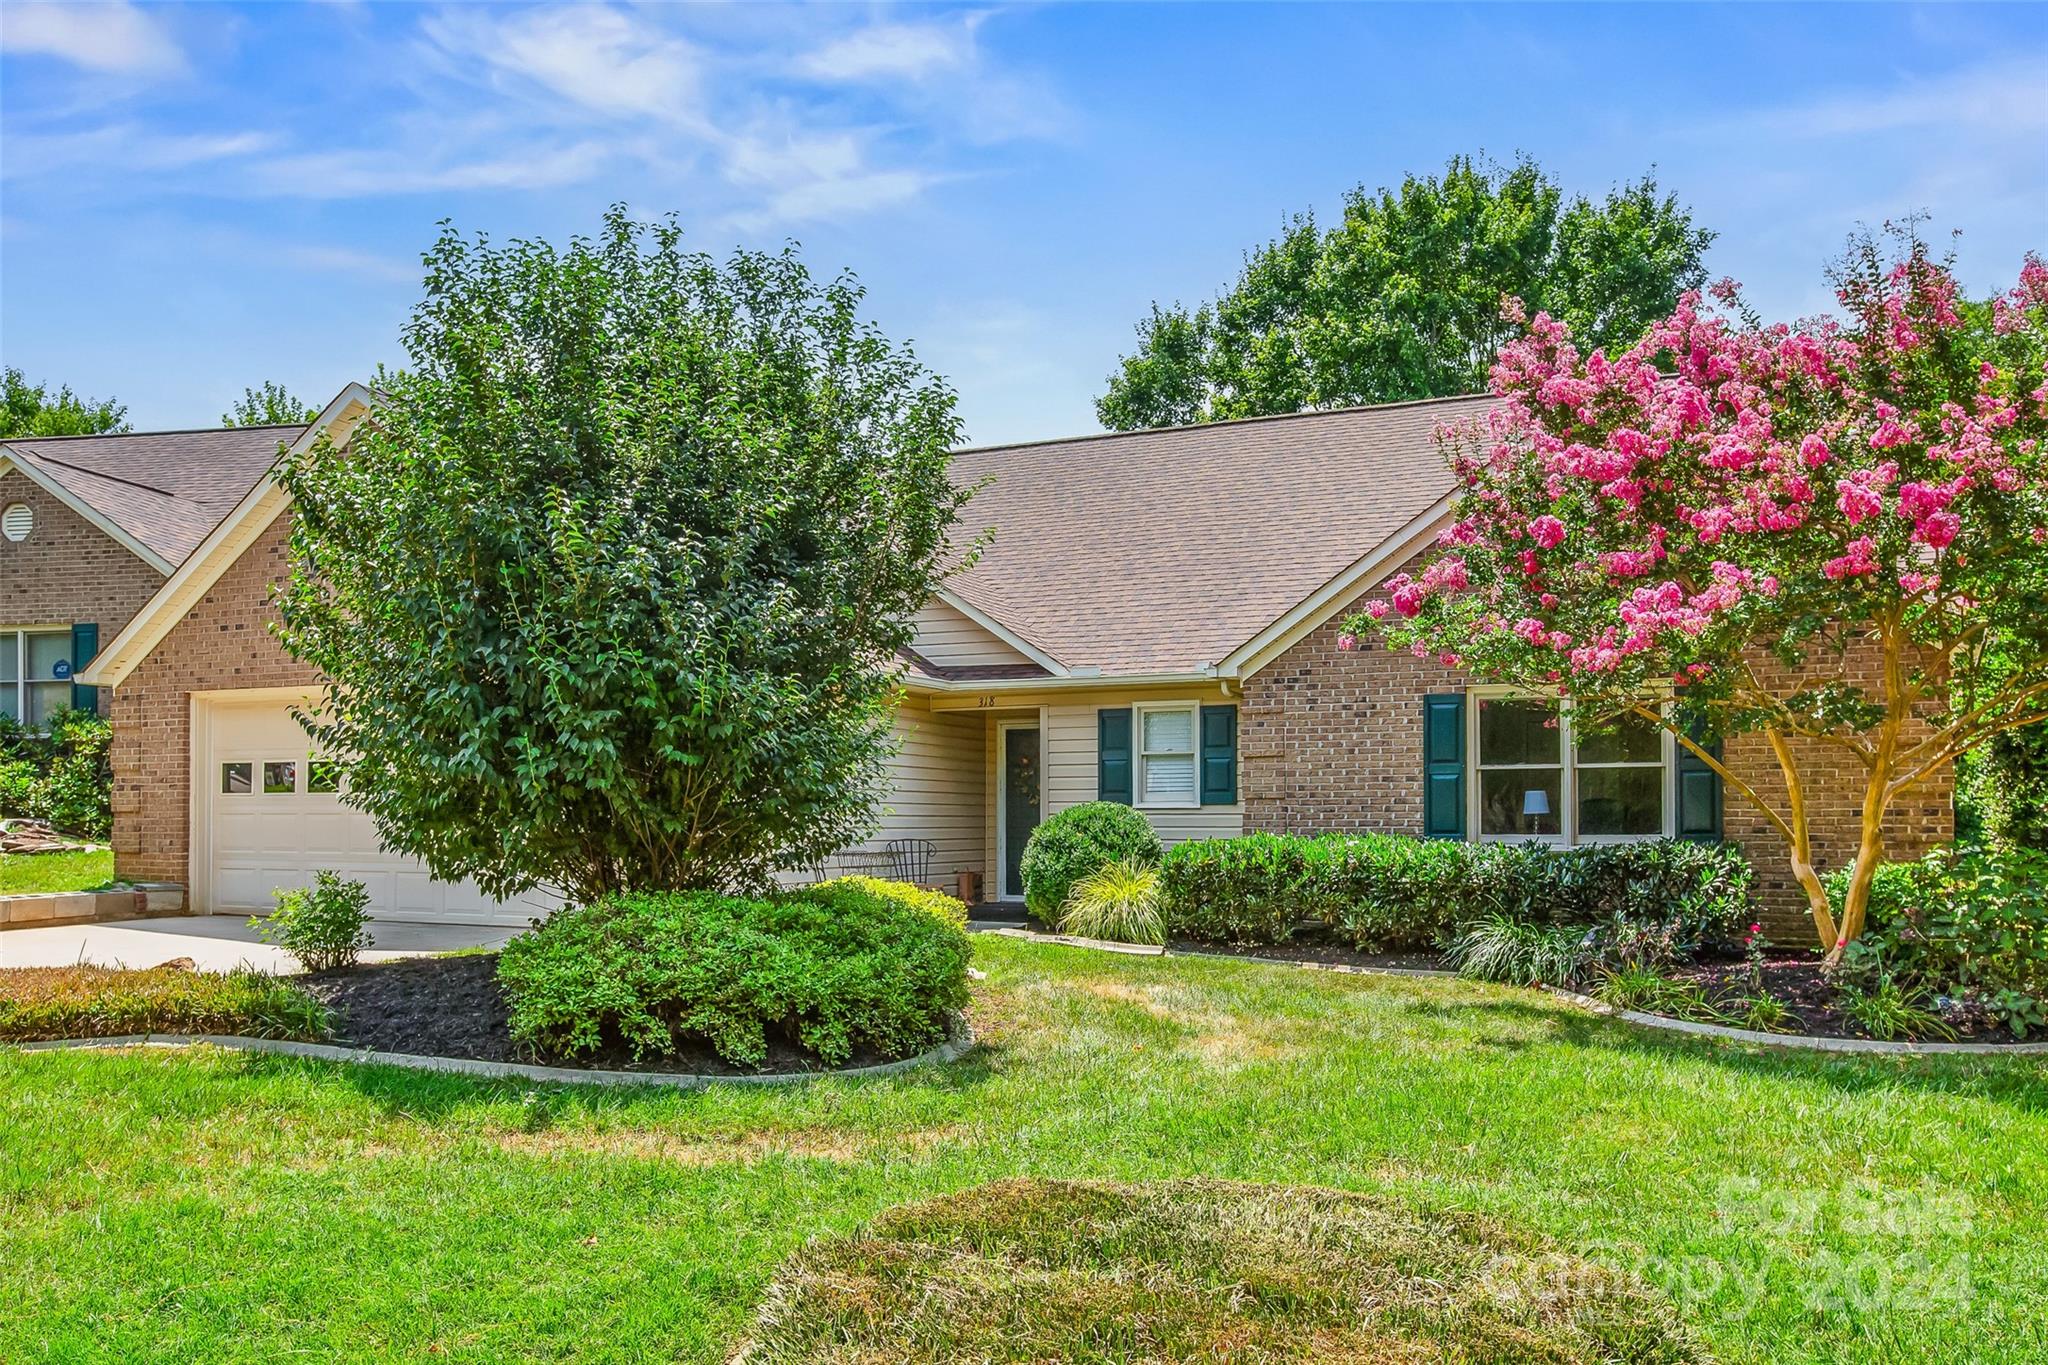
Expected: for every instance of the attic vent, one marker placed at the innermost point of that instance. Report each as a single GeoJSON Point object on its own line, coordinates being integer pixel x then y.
{"type": "Point", "coordinates": [17, 521]}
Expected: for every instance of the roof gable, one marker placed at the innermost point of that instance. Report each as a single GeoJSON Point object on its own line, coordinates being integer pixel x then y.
{"type": "Point", "coordinates": [164, 490]}
{"type": "Point", "coordinates": [1165, 551]}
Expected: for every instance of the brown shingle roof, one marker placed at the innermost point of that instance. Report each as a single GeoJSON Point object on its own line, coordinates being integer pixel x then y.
{"type": "Point", "coordinates": [1162, 551]}
{"type": "Point", "coordinates": [165, 488]}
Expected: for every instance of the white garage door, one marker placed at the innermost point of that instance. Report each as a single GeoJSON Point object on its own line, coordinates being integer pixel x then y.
{"type": "Point", "coordinates": [269, 817]}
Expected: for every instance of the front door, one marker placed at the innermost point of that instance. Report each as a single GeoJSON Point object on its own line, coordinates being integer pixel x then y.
{"type": "Point", "coordinates": [1019, 815]}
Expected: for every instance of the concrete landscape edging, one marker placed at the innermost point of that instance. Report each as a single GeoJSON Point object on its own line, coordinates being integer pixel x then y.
{"type": "Point", "coordinates": [1805, 1041]}
{"type": "Point", "coordinates": [1797, 1041]}
{"type": "Point", "coordinates": [960, 1037]}
{"type": "Point", "coordinates": [37, 909]}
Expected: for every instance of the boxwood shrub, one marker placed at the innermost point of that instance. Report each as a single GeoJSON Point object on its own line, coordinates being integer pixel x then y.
{"type": "Point", "coordinates": [1385, 892]}
{"type": "Point", "coordinates": [834, 967]}
{"type": "Point", "coordinates": [1079, 842]}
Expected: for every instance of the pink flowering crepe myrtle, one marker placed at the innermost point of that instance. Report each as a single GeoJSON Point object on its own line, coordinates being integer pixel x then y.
{"type": "Point", "coordinates": [1669, 521]}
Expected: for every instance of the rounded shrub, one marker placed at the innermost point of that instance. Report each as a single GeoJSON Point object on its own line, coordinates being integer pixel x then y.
{"type": "Point", "coordinates": [831, 968]}
{"type": "Point", "coordinates": [1078, 842]}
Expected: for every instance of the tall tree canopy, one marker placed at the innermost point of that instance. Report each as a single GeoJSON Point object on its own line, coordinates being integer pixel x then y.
{"type": "Point", "coordinates": [270, 406]}
{"type": "Point", "coordinates": [32, 410]}
{"type": "Point", "coordinates": [610, 584]}
{"type": "Point", "coordinates": [1834, 534]}
{"type": "Point", "coordinates": [1402, 298]}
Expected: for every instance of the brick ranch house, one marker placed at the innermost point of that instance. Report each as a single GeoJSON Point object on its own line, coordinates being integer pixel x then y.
{"type": "Point", "coordinates": [1154, 622]}
{"type": "Point", "coordinates": [90, 527]}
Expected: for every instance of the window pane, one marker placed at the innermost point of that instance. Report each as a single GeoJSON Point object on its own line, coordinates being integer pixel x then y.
{"type": "Point", "coordinates": [1170, 781]}
{"type": "Point", "coordinates": [323, 775]}
{"type": "Point", "coordinates": [10, 701]}
{"type": "Point", "coordinates": [1169, 732]}
{"type": "Point", "coordinates": [46, 700]}
{"type": "Point", "coordinates": [234, 778]}
{"type": "Point", "coordinates": [280, 777]}
{"type": "Point", "coordinates": [1518, 731]}
{"type": "Point", "coordinates": [1519, 801]}
{"type": "Point", "coordinates": [1621, 800]}
{"type": "Point", "coordinates": [45, 648]}
{"type": "Point", "coordinates": [1636, 741]}
{"type": "Point", "coordinates": [10, 657]}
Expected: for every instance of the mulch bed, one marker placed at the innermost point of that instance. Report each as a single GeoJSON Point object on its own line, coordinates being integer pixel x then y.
{"type": "Point", "coordinates": [452, 1007]}
{"type": "Point", "coordinates": [1798, 981]}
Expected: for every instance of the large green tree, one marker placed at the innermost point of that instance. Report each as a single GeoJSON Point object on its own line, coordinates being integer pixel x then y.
{"type": "Point", "coordinates": [270, 406]}
{"type": "Point", "coordinates": [611, 582]}
{"type": "Point", "coordinates": [1401, 299]}
{"type": "Point", "coordinates": [32, 410]}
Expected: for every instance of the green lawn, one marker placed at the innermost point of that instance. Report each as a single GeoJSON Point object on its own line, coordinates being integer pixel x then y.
{"type": "Point", "coordinates": [221, 1207]}
{"type": "Point", "coordinates": [55, 871]}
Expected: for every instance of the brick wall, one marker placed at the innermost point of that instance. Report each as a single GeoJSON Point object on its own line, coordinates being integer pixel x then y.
{"type": "Point", "coordinates": [68, 570]}
{"type": "Point", "coordinates": [1332, 741]}
{"type": "Point", "coordinates": [223, 642]}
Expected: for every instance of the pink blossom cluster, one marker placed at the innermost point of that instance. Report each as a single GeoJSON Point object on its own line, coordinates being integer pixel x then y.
{"type": "Point", "coordinates": [1713, 443]}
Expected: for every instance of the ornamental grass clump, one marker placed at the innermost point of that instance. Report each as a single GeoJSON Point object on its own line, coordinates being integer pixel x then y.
{"type": "Point", "coordinates": [1120, 903]}
{"type": "Point", "coordinates": [833, 969]}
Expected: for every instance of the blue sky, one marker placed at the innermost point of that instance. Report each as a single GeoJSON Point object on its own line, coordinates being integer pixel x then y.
{"type": "Point", "coordinates": [195, 199]}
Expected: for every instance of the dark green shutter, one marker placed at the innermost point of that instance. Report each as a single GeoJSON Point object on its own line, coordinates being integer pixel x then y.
{"type": "Point", "coordinates": [1699, 796]}
{"type": "Point", "coordinates": [1113, 754]}
{"type": "Point", "coordinates": [1219, 755]}
{"type": "Point", "coordinates": [85, 642]}
{"type": "Point", "coordinates": [1443, 765]}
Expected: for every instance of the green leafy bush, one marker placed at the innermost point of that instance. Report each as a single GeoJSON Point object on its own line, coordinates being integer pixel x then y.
{"type": "Point", "coordinates": [1119, 903]}
{"type": "Point", "coordinates": [1389, 892]}
{"type": "Point", "coordinates": [324, 925]}
{"type": "Point", "coordinates": [61, 775]}
{"type": "Point", "coordinates": [832, 967]}
{"type": "Point", "coordinates": [38, 1003]}
{"type": "Point", "coordinates": [1079, 842]}
{"type": "Point", "coordinates": [1956, 921]}
{"type": "Point", "coordinates": [947, 908]}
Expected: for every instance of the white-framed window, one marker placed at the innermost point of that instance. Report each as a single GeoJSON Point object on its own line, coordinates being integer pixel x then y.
{"type": "Point", "coordinates": [30, 689]}
{"type": "Point", "coordinates": [1169, 773]}
{"type": "Point", "coordinates": [1534, 777]}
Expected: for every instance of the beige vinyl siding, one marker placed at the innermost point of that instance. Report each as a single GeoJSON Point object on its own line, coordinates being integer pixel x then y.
{"type": "Point", "coordinates": [1069, 744]}
{"type": "Point", "coordinates": [937, 788]}
{"type": "Point", "coordinates": [950, 640]}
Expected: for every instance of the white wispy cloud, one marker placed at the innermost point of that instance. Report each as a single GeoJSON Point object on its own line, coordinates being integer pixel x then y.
{"type": "Point", "coordinates": [123, 147]}
{"type": "Point", "coordinates": [348, 261]}
{"type": "Point", "coordinates": [2005, 97]}
{"type": "Point", "coordinates": [595, 57]}
{"type": "Point", "coordinates": [363, 174]}
{"type": "Point", "coordinates": [115, 38]}
{"type": "Point", "coordinates": [894, 51]}
{"type": "Point", "coordinates": [799, 176]}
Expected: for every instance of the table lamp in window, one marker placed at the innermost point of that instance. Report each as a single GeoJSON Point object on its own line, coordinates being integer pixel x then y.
{"type": "Point", "coordinates": [1535, 805]}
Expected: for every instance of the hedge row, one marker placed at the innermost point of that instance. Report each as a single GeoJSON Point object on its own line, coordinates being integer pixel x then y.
{"type": "Point", "coordinates": [1386, 892]}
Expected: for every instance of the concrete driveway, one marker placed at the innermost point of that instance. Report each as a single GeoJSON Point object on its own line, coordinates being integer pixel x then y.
{"type": "Point", "coordinates": [216, 943]}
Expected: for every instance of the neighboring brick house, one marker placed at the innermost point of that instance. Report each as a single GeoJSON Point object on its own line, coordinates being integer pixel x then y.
{"type": "Point", "coordinates": [90, 527]}
{"type": "Point", "coordinates": [1154, 621]}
